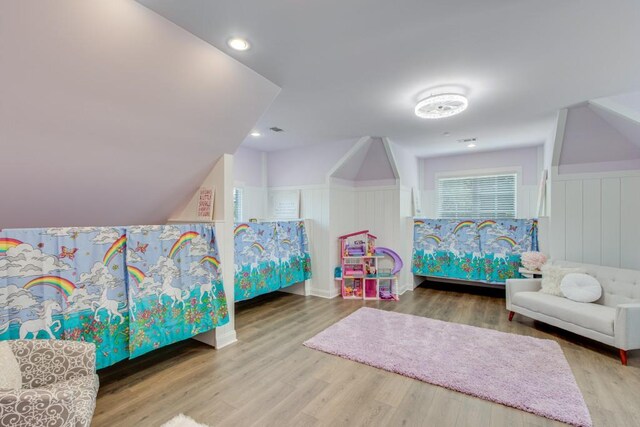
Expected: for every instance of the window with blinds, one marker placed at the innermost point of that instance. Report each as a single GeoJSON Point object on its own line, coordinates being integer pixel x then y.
{"type": "Point", "coordinates": [488, 196]}
{"type": "Point", "coordinates": [237, 204]}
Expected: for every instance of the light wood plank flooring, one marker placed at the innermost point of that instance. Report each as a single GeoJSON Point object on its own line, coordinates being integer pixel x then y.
{"type": "Point", "coordinates": [269, 379]}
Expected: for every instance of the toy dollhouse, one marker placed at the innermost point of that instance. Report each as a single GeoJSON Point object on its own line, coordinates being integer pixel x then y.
{"type": "Point", "coordinates": [360, 275]}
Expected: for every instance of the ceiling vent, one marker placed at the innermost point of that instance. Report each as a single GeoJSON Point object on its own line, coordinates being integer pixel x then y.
{"type": "Point", "coordinates": [467, 140]}
{"type": "Point", "coordinates": [276, 129]}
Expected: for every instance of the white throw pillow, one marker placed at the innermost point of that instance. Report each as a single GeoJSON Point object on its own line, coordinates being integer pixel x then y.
{"type": "Point", "coordinates": [10, 375]}
{"type": "Point", "coordinates": [581, 287]}
{"type": "Point", "coordinates": [552, 277]}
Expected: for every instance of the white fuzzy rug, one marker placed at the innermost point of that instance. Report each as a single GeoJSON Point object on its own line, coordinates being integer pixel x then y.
{"type": "Point", "coordinates": [182, 421]}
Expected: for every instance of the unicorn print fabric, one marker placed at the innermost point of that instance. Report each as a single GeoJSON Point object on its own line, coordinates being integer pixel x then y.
{"type": "Point", "coordinates": [477, 250]}
{"type": "Point", "coordinates": [175, 289]}
{"type": "Point", "coordinates": [293, 246]}
{"type": "Point", "coordinates": [269, 256]}
{"type": "Point", "coordinates": [66, 283]}
{"type": "Point", "coordinates": [88, 284]}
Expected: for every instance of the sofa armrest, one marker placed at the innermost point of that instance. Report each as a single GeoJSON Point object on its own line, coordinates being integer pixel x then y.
{"type": "Point", "coordinates": [513, 286]}
{"type": "Point", "coordinates": [36, 407]}
{"type": "Point", "coordinates": [44, 362]}
{"type": "Point", "coordinates": [627, 326]}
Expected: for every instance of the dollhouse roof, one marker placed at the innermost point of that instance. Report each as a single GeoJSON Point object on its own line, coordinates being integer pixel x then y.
{"type": "Point", "coordinates": [346, 236]}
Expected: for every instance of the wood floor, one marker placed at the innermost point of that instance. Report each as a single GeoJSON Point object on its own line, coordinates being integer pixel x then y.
{"type": "Point", "coordinates": [269, 379]}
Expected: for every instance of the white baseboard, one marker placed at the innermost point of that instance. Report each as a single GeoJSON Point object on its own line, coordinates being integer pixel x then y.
{"type": "Point", "coordinates": [406, 288]}
{"type": "Point", "coordinates": [223, 340]}
{"type": "Point", "coordinates": [216, 339]}
{"type": "Point", "coordinates": [322, 293]}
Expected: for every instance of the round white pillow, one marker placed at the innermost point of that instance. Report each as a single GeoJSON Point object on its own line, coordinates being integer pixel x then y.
{"type": "Point", "coordinates": [581, 287]}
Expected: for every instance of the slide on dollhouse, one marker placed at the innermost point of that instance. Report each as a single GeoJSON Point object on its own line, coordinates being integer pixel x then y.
{"type": "Point", "coordinates": [397, 261]}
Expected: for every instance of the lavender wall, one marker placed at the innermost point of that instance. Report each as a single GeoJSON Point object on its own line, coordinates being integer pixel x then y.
{"type": "Point", "coordinates": [593, 143]}
{"type": "Point", "coordinates": [247, 167]}
{"type": "Point", "coordinates": [111, 114]}
{"type": "Point", "coordinates": [407, 165]}
{"type": "Point", "coordinates": [527, 158]}
{"type": "Point", "coordinates": [305, 165]}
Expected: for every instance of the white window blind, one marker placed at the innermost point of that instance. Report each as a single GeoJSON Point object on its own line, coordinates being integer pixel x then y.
{"type": "Point", "coordinates": [488, 196]}
{"type": "Point", "coordinates": [237, 204]}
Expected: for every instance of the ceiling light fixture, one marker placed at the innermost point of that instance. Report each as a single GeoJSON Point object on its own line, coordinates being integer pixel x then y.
{"type": "Point", "coordinates": [237, 43]}
{"type": "Point", "coordinates": [255, 134]}
{"type": "Point", "coordinates": [440, 106]}
{"type": "Point", "coordinates": [472, 145]}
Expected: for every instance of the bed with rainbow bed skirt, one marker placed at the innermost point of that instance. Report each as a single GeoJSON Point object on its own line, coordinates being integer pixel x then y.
{"type": "Point", "coordinates": [129, 290]}
{"type": "Point", "coordinates": [483, 251]}
{"type": "Point", "coordinates": [269, 256]}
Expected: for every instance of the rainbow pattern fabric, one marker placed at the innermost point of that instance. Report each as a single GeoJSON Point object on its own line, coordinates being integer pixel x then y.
{"type": "Point", "coordinates": [476, 250]}
{"type": "Point", "coordinates": [66, 283]}
{"type": "Point", "coordinates": [269, 256]}
{"type": "Point", "coordinates": [129, 290]}
{"type": "Point", "coordinates": [177, 291]}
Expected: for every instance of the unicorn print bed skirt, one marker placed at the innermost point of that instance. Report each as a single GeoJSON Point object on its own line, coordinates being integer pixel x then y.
{"type": "Point", "coordinates": [129, 290]}
{"type": "Point", "coordinates": [475, 250]}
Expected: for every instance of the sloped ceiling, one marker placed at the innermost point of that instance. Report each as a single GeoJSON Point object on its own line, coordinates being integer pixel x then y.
{"type": "Point", "coordinates": [354, 68]}
{"type": "Point", "coordinates": [592, 136]}
{"type": "Point", "coordinates": [111, 114]}
{"type": "Point", "coordinates": [622, 112]}
{"type": "Point", "coordinates": [370, 162]}
{"type": "Point", "coordinates": [376, 164]}
{"type": "Point", "coordinates": [630, 129]}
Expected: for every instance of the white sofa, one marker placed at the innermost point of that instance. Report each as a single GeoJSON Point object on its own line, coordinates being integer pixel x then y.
{"type": "Point", "coordinates": [614, 319]}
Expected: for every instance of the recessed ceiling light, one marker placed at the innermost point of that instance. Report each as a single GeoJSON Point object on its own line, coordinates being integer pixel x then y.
{"type": "Point", "coordinates": [471, 145]}
{"type": "Point", "coordinates": [238, 44]}
{"type": "Point", "coordinates": [255, 133]}
{"type": "Point", "coordinates": [440, 106]}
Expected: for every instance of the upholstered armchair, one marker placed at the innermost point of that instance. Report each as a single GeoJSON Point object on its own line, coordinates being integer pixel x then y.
{"type": "Point", "coordinates": [59, 385]}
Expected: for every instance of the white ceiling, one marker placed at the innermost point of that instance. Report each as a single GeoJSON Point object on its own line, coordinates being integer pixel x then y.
{"type": "Point", "coordinates": [354, 68]}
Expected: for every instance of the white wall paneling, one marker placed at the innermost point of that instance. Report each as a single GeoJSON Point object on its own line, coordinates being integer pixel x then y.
{"type": "Point", "coordinates": [629, 228]}
{"type": "Point", "coordinates": [254, 202]}
{"type": "Point", "coordinates": [592, 221]}
{"type": "Point", "coordinates": [573, 221]}
{"type": "Point", "coordinates": [594, 218]}
{"type": "Point", "coordinates": [610, 199]}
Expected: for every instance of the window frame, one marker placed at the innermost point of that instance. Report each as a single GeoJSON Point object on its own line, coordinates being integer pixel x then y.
{"type": "Point", "coordinates": [240, 189]}
{"type": "Point", "coordinates": [516, 170]}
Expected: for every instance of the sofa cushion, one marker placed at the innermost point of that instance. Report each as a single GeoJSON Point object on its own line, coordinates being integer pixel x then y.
{"type": "Point", "coordinates": [596, 317]}
{"type": "Point", "coordinates": [581, 287]}
{"type": "Point", "coordinates": [552, 278]}
{"type": "Point", "coordinates": [10, 375]}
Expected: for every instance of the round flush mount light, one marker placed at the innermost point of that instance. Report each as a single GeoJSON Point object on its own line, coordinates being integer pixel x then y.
{"type": "Point", "coordinates": [440, 106]}
{"type": "Point", "coordinates": [255, 134]}
{"type": "Point", "coordinates": [237, 43]}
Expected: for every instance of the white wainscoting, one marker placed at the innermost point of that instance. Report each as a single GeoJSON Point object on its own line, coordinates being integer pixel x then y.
{"type": "Point", "coordinates": [594, 218]}
{"type": "Point", "coordinates": [405, 242]}
{"type": "Point", "coordinates": [254, 202]}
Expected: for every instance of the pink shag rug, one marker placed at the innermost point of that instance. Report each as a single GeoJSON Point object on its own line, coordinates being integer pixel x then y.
{"type": "Point", "coordinates": [522, 372]}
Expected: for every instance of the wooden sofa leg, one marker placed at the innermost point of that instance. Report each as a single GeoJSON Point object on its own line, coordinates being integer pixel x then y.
{"type": "Point", "coordinates": [623, 357]}
{"type": "Point", "coordinates": [511, 313]}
